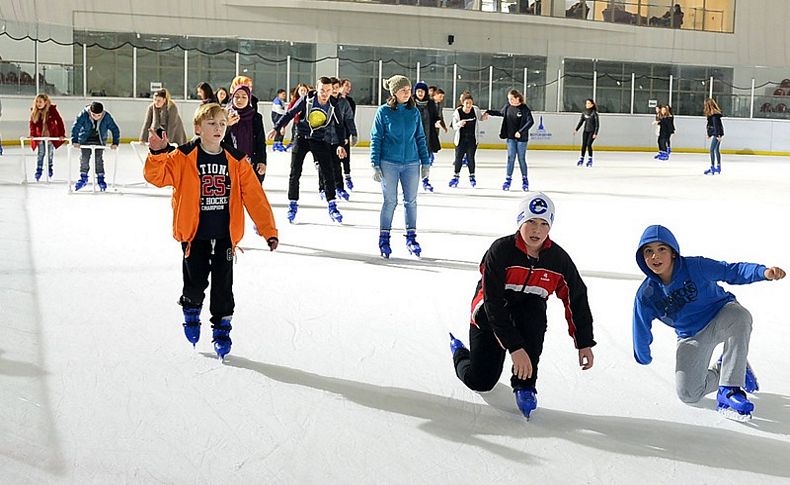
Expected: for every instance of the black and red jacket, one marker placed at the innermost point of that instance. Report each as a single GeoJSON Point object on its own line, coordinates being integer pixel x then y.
{"type": "Point", "coordinates": [515, 288]}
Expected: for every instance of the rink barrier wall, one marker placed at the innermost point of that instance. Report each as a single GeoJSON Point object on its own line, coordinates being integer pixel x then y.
{"type": "Point", "coordinates": [552, 131]}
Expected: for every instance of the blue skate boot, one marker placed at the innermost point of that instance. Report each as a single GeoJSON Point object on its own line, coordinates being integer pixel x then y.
{"type": "Point", "coordinates": [669, 152]}
{"type": "Point", "coordinates": [580, 162]}
{"type": "Point", "coordinates": [293, 206]}
{"type": "Point", "coordinates": [411, 243]}
{"type": "Point", "coordinates": [710, 171]}
{"type": "Point", "coordinates": [732, 403]}
{"type": "Point", "coordinates": [100, 182]}
{"type": "Point", "coordinates": [349, 183]}
{"type": "Point", "coordinates": [221, 334]}
{"type": "Point", "coordinates": [39, 170]}
{"type": "Point", "coordinates": [589, 162]}
{"type": "Point", "coordinates": [343, 194]}
{"type": "Point", "coordinates": [82, 182]}
{"type": "Point", "coordinates": [506, 185]}
{"type": "Point", "coordinates": [524, 184]}
{"type": "Point", "coordinates": [455, 344]}
{"type": "Point", "coordinates": [472, 180]}
{"type": "Point", "coordinates": [384, 244]}
{"type": "Point", "coordinates": [526, 400]}
{"type": "Point", "coordinates": [191, 320]}
{"type": "Point", "coordinates": [718, 169]}
{"type": "Point", "coordinates": [453, 182]}
{"type": "Point", "coordinates": [321, 194]}
{"type": "Point", "coordinates": [659, 155]}
{"type": "Point", "coordinates": [426, 185]}
{"type": "Point", "coordinates": [751, 385]}
{"type": "Point", "coordinates": [334, 213]}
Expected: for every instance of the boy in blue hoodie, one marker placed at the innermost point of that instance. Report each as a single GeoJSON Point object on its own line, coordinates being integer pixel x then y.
{"type": "Point", "coordinates": [683, 293]}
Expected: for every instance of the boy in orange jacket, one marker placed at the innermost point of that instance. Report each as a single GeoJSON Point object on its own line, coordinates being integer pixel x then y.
{"type": "Point", "coordinates": [211, 183]}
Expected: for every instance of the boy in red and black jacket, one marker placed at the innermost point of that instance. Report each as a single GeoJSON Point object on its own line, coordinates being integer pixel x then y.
{"type": "Point", "coordinates": [519, 272]}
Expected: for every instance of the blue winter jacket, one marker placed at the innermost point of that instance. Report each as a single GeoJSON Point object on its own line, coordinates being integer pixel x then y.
{"type": "Point", "coordinates": [691, 300]}
{"type": "Point", "coordinates": [397, 136]}
{"type": "Point", "coordinates": [84, 124]}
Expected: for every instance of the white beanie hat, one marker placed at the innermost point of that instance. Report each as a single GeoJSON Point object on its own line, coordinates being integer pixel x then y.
{"type": "Point", "coordinates": [537, 205]}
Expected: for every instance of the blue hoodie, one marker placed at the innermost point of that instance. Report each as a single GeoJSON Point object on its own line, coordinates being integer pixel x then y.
{"type": "Point", "coordinates": [397, 136]}
{"type": "Point", "coordinates": [692, 298]}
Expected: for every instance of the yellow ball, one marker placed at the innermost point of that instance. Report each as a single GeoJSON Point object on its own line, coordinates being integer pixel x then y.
{"type": "Point", "coordinates": [316, 118]}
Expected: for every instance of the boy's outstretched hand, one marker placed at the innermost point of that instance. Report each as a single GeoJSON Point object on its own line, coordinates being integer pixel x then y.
{"type": "Point", "coordinates": [273, 242]}
{"type": "Point", "coordinates": [774, 273]}
{"type": "Point", "coordinates": [155, 142]}
{"type": "Point", "coordinates": [586, 358]}
{"type": "Point", "coordinates": [522, 366]}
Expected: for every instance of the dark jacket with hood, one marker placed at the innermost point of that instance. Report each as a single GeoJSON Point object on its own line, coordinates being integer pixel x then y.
{"type": "Point", "coordinates": [430, 115]}
{"type": "Point", "coordinates": [691, 299]}
{"type": "Point", "coordinates": [516, 119]}
{"type": "Point", "coordinates": [303, 107]}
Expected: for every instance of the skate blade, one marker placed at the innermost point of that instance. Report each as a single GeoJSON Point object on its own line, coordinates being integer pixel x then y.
{"type": "Point", "coordinates": [734, 415]}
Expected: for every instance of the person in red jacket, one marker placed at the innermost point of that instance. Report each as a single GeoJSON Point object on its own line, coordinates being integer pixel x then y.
{"type": "Point", "coordinates": [519, 272]}
{"type": "Point", "coordinates": [212, 183]}
{"type": "Point", "coordinates": [45, 122]}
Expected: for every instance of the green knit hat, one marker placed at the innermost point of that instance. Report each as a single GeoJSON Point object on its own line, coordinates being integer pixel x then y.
{"type": "Point", "coordinates": [396, 83]}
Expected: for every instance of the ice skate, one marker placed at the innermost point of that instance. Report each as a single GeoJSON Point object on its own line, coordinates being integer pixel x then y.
{"type": "Point", "coordinates": [453, 182]}
{"type": "Point", "coordinates": [82, 182]}
{"type": "Point", "coordinates": [411, 243]}
{"type": "Point", "coordinates": [221, 334]}
{"type": "Point", "coordinates": [384, 244]}
{"type": "Point", "coordinates": [732, 403]}
{"type": "Point", "coordinates": [335, 214]}
{"type": "Point", "coordinates": [455, 344]}
{"type": "Point", "coordinates": [293, 206]}
{"type": "Point", "coordinates": [524, 184]}
{"type": "Point", "coordinates": [472, 181]}
{"type": "Point", "coordinates": [426, 185]}
{"type": "Point", "coordinates": [526, 400]}
{"type": "Point", "coordinates": [100, 182]}
{"type": "Point", "coordinates": [349, 183]}
{"type": "Point", "coordinates": [506, 185]}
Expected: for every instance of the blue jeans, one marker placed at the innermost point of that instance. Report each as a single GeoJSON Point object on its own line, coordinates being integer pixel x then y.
{"type": "Point", "coordinates": [409, 176]}
{"type": "Point", "coordinates": [715, 154]}
{"type": "Point", "coordinates": [515, 147]}
{"type": "Point", "coordinates": [41, 155]}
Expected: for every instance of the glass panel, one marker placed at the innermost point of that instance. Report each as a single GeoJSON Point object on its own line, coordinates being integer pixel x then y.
{"type": "Point", "coordinates": [771, 94]}
{"type": "Point", "coordinates": [165, 67]}
{"type": "Point", "coordinates": [359, 65]}
{"type": "Point", "coordinates": [109, 71]}
{"type": "Point", "coordinates": [213, 61]}
{"type": "Point", "coordinates": [57, 80]}
{"type": "Point", "coordinates": [17, 66]}
{"type": "Point", "coordinates": [577, 83]}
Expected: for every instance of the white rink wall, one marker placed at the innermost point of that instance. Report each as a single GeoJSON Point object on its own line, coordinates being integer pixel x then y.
{"type": "Point", "coordinates": [618, 131]}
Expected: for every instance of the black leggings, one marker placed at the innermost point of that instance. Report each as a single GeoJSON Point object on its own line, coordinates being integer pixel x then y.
{"type": "Point", "coordinates": [587, 141]}
{"type": "Point", "coordinates": [468, 147]}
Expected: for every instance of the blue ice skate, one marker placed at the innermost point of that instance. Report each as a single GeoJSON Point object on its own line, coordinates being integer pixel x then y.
{"type": "Point", "coordinates": [293, 206]}
{"type": "Point", "coordinates": [472, 181]}
{"type": "Point", "coordinates": [710, 171]}
{"type": "Point", "coordinates": [751, 385]}
{"type": "Point", "coordinates": [82, 182]}
{"type": "Point", "coordinates": [343, 194]}
{"type": "Point", "coordinates": [506, 185]}
{"type": "Point", "coordinates": [524, 184]}
{"type": "Point", "coordinates": [192, 324]}
{"type": "Point", "coordinates": [349, 183]}
{"type": "Point", "coordinates": [100, 182]}
{"type": "Point", "coordinates": [384, 244]}
{"type": "Point", "coordinates": [733, 403]}
{"type": "Point", "coordinates": [335, 214]}
{"type": "Point", "coordinates": [411, 243]}
{"type": "Point", "coordinates": [589, 162]}
{"type": "Point", "coordinates": [39, 171]}
{"type": "Point", "coordinates": [718, 169]}
{"type": "Point", "coordinates": [426, 185]}
{"type": "Point", "coordinates": [455, 344]}
{"type": "Point", "coordinates": [580, 162]}
{"type": "Point", "coordinates": [453, 182]}
{"type": "Point", "coordinates": [526, 400]}
{"type": "Point", "coordinates": [221, 334]}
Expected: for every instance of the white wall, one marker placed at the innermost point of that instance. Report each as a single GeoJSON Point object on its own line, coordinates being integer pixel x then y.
{"type": "Point", "coordinates": [617, 130]}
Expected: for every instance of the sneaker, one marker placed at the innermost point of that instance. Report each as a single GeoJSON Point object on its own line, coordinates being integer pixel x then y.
{"type": "Point", "coordinates": [472, 181]}
{"type": "Point", "coordinates": [526, 400]}
{"type": "Point", "coordinates": [506, 185]}
{"type": "Point", "coordinates": [100, 181]}
{"type": "Point", "coordinates": [334, 213]}
{"type": "Point", "coordinates": [524, 184]}
{"type": "Point", "coordinates": [411, 243]}
{"type": "Point", "coordinates": [384, 244]}
{"type": "Point", "coordinates": [82, 182]}
{"type": "Point", "coordinates": [221, 337]}
{"type": "Point", "coordinates": [455, 344]}
{"type": "Point", "coordinates": [349, 183]}
{"type": "Point", "coordinates": [426, 185]}
{"type": "Point", "coordinates": [453, 182]}
{"type": "Point", "coordinates": [733, 399]}
{"type": "Point", "coordinates": [293, 206]}
{"type": "Point", "coordinates": [343, 194]}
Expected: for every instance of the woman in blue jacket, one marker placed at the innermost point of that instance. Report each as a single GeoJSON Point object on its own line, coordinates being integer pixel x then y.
{"type": "Point", "coordinates": [683, 293]}
{"type": "Point", "coordinates": [516, 122]}
{"type": "Point", "coordinates": [398, 153]}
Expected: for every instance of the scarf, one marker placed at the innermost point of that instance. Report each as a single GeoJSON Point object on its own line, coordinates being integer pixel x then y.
{"type": "Point", "coordinates": [242, 131]}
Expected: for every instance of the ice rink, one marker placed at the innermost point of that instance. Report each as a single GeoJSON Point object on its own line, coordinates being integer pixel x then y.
{"type": "Point", "coordinates": [341, 370]}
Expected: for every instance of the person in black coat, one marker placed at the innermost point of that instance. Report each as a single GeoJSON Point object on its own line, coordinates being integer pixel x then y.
{"type": "Point", "coordinates": [431, 121]}
{"type": "Point", "coordinates": [245, 130]}
{"type": "Point", "coordinates": [589, 119]}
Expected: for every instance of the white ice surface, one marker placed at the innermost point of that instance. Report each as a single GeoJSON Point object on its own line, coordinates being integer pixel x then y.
{"type": "Point", "coordinates": [340, 370]}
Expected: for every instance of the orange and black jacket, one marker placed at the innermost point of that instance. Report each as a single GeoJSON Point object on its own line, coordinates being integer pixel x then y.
{"type": "Point", "coordinates": [178, 168]}
{"type": "Point", "coordinates": [515, 286]}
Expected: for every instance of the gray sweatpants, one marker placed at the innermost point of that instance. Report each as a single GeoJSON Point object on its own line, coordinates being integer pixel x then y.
{"type": "Point", "coordinates": [85, 158]}
{"type": "Point", "coordinates": [693, 377]}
